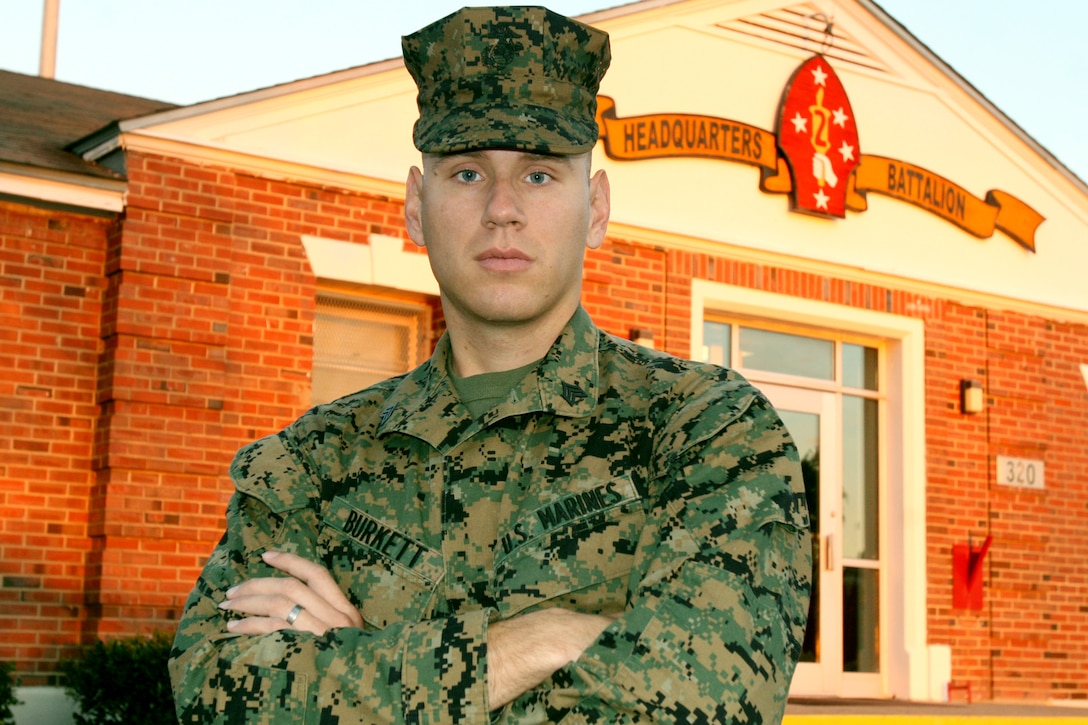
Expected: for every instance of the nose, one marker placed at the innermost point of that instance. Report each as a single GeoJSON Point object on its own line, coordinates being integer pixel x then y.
{"type": "Point", "coordinates": [504, 205]}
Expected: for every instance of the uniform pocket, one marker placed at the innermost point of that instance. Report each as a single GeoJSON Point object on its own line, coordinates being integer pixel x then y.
{"type": "Point", "coordinates": [577, 549]}
{"type": "Point", "coordinates": [390, 576]}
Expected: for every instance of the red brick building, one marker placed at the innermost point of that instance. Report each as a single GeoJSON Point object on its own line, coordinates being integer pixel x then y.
{"type": "Point", "coordinates": [175, 282]}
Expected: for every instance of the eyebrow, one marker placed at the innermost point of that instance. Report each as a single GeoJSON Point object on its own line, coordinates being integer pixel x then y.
{"type": "Point", "coordinates": [476, 153]}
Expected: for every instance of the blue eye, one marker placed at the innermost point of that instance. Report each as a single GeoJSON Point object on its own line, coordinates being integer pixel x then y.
{"type": "Point", "coordinates": [468, 175]}
{"type": "Point", "coordinates": [538, 177]}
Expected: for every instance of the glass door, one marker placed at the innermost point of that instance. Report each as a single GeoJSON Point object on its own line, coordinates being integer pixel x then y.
{"type": "Point", "coordinates": [811, 418]}
{"type": "Point", "coordinates": [827, 390]}
{"type": "Point", "coordinates": [836, 440]}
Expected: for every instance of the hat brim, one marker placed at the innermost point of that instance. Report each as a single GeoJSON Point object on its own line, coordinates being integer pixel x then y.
{"type": "Point", "coordinates": [534, 129]}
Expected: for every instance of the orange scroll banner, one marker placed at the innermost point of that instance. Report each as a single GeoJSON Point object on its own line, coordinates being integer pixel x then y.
{"type": "Point", "coordinates": [672, 135]}
{"type": "Point", "coordinates": [949, 201]}
{"type": "Point", "coordinates": [675, 135]}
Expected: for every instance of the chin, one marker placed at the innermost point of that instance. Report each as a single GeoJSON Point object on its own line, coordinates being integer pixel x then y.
{"type": "Point", "coordinates": [509, 309]}
{"type": "Point", "coordinates": [525, 307]}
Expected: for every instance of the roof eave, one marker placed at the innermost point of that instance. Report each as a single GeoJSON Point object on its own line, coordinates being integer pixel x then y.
{"type": "Point", "coordinates": [62, 189]}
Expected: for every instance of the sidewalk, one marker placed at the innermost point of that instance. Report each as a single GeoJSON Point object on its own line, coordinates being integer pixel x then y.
{"type": "Point", "coordinates": [894, 712]}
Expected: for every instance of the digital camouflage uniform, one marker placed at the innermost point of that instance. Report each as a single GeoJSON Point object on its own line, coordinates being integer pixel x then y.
{"type": "Point", "coordinates": [612, 479]}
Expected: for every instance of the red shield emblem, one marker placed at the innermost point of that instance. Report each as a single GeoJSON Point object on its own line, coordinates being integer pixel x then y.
{"type": "Point", "coordinates": [819, 137]}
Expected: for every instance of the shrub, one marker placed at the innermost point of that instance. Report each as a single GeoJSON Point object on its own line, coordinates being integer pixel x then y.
{"type": "Point", "coordinates": [8, 683]}
{"type": "Point", "coordinates": [122, 681]}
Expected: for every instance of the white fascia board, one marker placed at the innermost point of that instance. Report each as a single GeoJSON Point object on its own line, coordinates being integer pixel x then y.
{"type": "Point", "coordinates": [922, 288]}
{"type": "Point", "coordinates": [85, 192]}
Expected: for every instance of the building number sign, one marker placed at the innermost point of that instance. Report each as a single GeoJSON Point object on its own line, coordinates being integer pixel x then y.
{"type": "Point", "coordinates": [1020, 472]}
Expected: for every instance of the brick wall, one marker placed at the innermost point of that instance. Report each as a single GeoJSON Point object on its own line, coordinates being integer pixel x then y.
{"type": "Point", "coordinates": [52, 287]}
{"type": "Point", "coordinates": [1029, 641]}
{"type": "Point", "coordinates": [146, 352]}
{"type": "Point", "coordinates": [208, 346]}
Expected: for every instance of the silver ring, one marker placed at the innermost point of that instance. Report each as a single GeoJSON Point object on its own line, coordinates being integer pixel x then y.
{"type": "Point", "coordinates": [293, 614]}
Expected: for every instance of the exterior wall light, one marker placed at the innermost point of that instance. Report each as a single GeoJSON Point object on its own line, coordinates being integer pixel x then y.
{"type": "Point", "coordinates": [643, 337]}
{"type": "Point", "coordinates": [972, 397]}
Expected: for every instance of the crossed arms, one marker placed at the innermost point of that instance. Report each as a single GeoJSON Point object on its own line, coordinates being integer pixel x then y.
{"type": "Point", "coordinates": [707, 626]}
{"type": "Point", "coordinates": [522, 651]}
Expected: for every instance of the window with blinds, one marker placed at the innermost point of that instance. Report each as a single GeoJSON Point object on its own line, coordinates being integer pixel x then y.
{"type": "Point", "coordinates": [359, 341]}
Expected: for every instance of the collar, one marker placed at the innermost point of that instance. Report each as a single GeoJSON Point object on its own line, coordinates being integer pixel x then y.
{"type": "Point", "coordinates": [565, 383]}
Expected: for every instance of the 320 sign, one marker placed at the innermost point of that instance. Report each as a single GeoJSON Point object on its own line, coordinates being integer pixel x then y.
{"type": "Point", "coordinates": [1020, 472]}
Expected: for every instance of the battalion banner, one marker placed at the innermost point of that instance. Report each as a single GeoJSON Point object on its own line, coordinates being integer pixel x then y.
{"type": "Point", "coordinates": [674, 135]}
{"type": "Point", "coordinates": [949, 201]}
{"type": "Point", "coordinates": [664, 135]}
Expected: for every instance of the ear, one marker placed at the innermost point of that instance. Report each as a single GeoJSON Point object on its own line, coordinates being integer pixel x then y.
{"type": "Point", "coordinates": [413, 206]}
{"type": "Point", "coordinates": [600, 208]}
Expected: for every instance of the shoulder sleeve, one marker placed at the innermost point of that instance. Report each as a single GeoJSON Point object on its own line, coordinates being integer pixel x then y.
{"type": "Point", "coordinates": [427, 672]}
{"type": "Point", "coordinates": [267, 471]}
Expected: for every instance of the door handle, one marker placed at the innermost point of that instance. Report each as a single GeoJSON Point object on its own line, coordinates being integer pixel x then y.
{"type": "Point", "coordinates": [828, 564]}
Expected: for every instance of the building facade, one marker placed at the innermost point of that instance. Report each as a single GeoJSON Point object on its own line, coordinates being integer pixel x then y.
{"type": "Point", "coordinates": [831, 211]}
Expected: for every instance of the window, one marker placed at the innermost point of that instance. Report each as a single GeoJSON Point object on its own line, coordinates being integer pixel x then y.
{"type": "Point", "coordinates": [765, 353]}
{"type": "Point", "coordinates": [790, 354]}
{"type": "Point", "coordinates": [359, 341]}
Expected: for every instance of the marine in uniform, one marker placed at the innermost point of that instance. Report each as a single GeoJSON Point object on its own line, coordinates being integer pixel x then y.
{"type": "Point", "coordinates": [602, 478]}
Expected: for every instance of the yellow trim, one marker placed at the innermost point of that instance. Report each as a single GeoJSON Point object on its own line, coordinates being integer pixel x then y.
{"type": "Point", "coordinates": [928, 720]}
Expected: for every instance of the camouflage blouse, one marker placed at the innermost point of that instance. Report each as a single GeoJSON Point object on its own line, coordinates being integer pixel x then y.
{"type": "Point", "coordinates": [612, 479]}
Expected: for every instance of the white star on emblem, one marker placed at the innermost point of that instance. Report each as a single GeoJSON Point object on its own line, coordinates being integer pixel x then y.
{"type": "Point", "coordinates": [819, 76]}
{"type": "Point", "coordinates": [821, 199]}
{"type": "Point", "coordinates": [799, 123]}
{"type": "Point", "coordinates": [840, 117]}
{"type": "Point", "coordinates": [847, 151]}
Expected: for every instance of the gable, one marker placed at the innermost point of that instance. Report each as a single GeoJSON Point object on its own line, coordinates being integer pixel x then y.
{"type": "Point", "coordinates": [734, 62]}
{"type": "Point", "coordinates": [731, 61]}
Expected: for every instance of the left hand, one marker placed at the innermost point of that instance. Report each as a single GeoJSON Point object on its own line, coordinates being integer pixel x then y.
{"type": "Point", "coordinates": [270, 600]}
{"type": "Point", "coordinates": [525, 650]}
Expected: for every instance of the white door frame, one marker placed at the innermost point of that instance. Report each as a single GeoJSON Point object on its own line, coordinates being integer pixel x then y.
{"type": "Point", "coordinates": [822, 678]}
{"type": "Point", "coordinates": [905, 653]}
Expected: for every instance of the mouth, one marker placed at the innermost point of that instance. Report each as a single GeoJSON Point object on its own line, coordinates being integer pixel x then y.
{"type": "Point", "coordinates": [504, 260]}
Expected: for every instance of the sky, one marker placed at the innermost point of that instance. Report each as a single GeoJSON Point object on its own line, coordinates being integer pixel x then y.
{"type": "Point", "coordinates": [1028, 58]}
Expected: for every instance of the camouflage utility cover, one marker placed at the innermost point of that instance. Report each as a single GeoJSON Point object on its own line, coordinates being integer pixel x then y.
{"type": "Point", "coordinates": [613, 479]}
{"type": "Point", "coordinates": [520, 78]}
